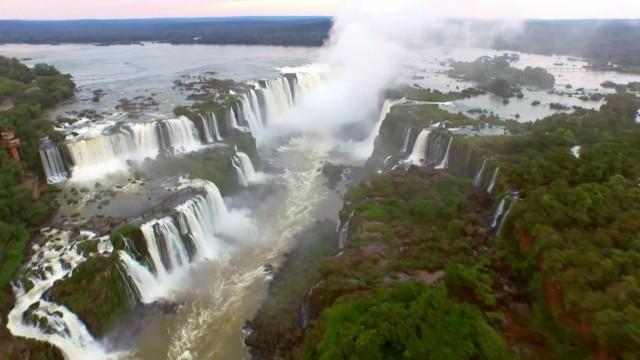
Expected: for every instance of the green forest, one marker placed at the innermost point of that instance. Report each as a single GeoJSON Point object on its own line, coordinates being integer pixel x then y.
{"type": "Point", "coordinates": [423, 274]}
{"type": "Point", "coordinates": [29, 93]}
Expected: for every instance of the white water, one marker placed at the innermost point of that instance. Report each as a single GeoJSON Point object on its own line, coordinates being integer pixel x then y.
{"type": "Point", "coordinates": [419, 151]}
{"type": "Point", "coordinates": [445, 161]}
{"type": "Point", "coordinates": [96, 157]}
{"type": "Point", "coordinates": [407, 137]}
{"type": "Point", "coordinates": [344, 231]}
{"type": "Point", "coordinates": [492, 185]}
{"type": "Point", "coordinates": [477, 181]}
{"type": "Point", "coordinates": [252, 114]}
{"type": "Point", "coordinates": [277, 95]}
{"type": "Point", "coordinates": [503, 220]}
{"type": "Point", "coordinates": [575, 151]}
{"type": "Point", "coordinates": [233, 120]}
{"type": "Point", "coordinates": [53, 164]}
{"type": "Point", "coordinates": [247, 174]}
{"type": "Point", "coordinates": [51, 262]}
{"type": "Point", "coordinates": [497, 215]}
{"type": "Point", "coordinates": [203, 223]}
{"type": "Point", "coordinates": [364, 149]}
{"type": "Point", "coordinates": [99, 153]}
{"type": "Point", "coordinates": [211, 128]}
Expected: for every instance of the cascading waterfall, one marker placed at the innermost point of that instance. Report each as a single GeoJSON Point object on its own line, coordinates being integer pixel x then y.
{"type": "Point", "coordinates": [179, 135]}
{"type": "Point", "coordinates": [477, 181]}
{"type": "Point", "coordinates": [492, 185]}
{"type": "Point", "coordinates": [498, 214]}
{"type": "Point", "coordinates": [419, 151]}
{"type": "Point", "coordinates": [251, 112]}
{"type": "Point", "coordinates": [210, 128]}
{"type": "Point", "coordinates": [277, 98]}
{"type": "Point", "coordinates": [436, 149]}
{"type": "Point", "coordinates": [244, 167]}
{"type": "Point", "coordinates": [175, 242]}
{"type": "Point", "coordinates": [271, 99]}
{"type": "Point", "coordinates": [407, 138]}
{"type": "Point", "coordinates": [51, 322]}
{"type": "Point", "coordinates": [364, 149]}
{"type": "Point", "coordinates": [91, 158]}
{"type": "Point", "coordinates": [445, 161]}
{"type": "Point", "coordinates": [503, 220]}
{"type": "Point", "coordinates": [233, 119]}
{"type": "Point", "coordinates": [575, 151]}
{"type": "Point", "coordinates": [101, 155]}
{"type": "Point", "coordinates": [54, 166]}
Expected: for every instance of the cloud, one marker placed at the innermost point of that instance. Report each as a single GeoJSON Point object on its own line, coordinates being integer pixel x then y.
{"type": "Point", "coordinates": [368, 45]}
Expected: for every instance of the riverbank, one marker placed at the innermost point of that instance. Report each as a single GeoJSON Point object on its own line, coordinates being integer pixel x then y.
{"type": "Point", "coordinates": [487, 243]}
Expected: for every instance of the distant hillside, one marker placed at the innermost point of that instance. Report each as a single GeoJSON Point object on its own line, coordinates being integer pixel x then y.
{"type": "Point", "coordinates": [287, 31]}
{"type": "Point", "coordinates": [615, 41]}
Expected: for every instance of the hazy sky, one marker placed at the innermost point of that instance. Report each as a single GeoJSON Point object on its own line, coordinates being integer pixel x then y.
{"type": "Point", "coordinates": [76, 9]}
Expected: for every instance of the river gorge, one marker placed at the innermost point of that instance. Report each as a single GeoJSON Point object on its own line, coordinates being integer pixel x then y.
{"type": "Point", "coordinates": [187, 215]}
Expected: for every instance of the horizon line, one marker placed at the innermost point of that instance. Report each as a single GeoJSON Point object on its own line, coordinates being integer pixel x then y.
{"type": "Point", "coordinates": [232, 17]}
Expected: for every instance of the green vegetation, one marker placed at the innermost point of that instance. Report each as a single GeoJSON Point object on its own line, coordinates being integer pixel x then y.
{"type": "Point", "coordinates": [214, 165]}
{"type": "Point", "coordinates": [495, 75]}
{"type": "Point", "coordinates": [408, 321]}
{"type": "Point", "coordinates": [559, 281]}
{"type": "Point", "coordinates": [32, 91]}
{"type": "Point", "coordinates": [103, 301]}
{"type": "Point", "coordinates": [419, 94]}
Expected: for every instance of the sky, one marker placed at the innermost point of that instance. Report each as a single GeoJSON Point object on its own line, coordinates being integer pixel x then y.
{"type": "Point", "coordinates": [109, 9]}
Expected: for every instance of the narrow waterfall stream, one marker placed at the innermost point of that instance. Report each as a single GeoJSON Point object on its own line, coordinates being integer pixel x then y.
{"type": "Point", "coordinates": [419, 151]}
{"type": "Point", "coordinates": [445, 160]}
{"type": "Point", "coordinates": [247, 174]}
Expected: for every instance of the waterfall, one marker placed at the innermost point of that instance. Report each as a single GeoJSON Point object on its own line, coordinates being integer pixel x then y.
{"type": "Point", "coordinates": [268, 101]}
{"type": "Point", "coordinates": [575, 151]}
{"type": "Point", "coordinates": [244, 168]}
{"type": "Point", "coordinates": [436, 149]}
{"type": "Point", "coordinates": [233, 120]}
{"type": "Point", "coordinates": [505, 216]}
{"type": "Point", "coordinates": [477, 181]}
{"type": "Point", "coordinates": [54, 167]}
{"type": "Point", "coordinates": [210, 127]}
{"type": "Point", "coordinates": [497, 215]}
{"type": "Point", "coordinates": [251, 113]}
{"type": "Point", "coordinates": [492, 185]}
{"type": "Point", "coordinates": [277, 98]}
{"type": "Point", "coordinates": [175, 242]}
{"type": "Point", "coordinates": [419, 151]}
{"type": "Point", "coordinates": [179, 135]}
{"type": "Point", "coordinates": [407, 138]}
{"type": "Point", "coordinates": [365, 148]}
{"type": "Point", "coordinates": [445, 161]}
{"type": "Point", "coordinates": [53, 261]}
{"type": "Point", "coordinates": [98, 156]}
{"type": "Point", "coordinates": [344, 232]}
{"type": "Point", "coordinates": [247, 175]}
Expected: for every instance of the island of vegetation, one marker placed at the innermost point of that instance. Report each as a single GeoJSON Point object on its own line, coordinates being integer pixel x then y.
{"type": "Point", "coordinates": [497, 76]}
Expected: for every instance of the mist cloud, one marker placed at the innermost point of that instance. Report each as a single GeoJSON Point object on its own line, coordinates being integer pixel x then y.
{"type": "Point", "coordinates": [368, 44]}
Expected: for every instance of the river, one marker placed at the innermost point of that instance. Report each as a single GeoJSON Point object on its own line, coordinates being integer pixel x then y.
{"type": "Point", "coordinates": [218, 294]}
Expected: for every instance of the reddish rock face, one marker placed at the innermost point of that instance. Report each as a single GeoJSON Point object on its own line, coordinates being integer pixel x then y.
{"type": "Point", "coordinates": [11, 143]}
{"type": "Point", "coordinates": [526, 242]}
